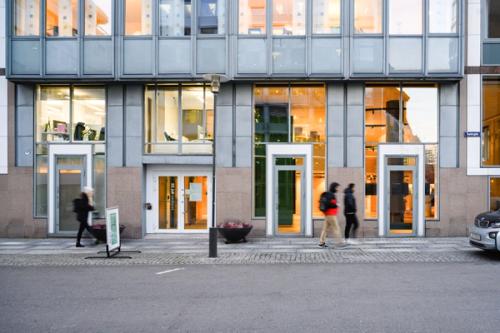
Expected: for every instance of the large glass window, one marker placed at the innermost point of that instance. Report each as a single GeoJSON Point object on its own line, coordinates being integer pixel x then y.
{"type": "Point", "coordinates": [401, 114]}
{"type": "Point", "coordinates": [138, 17]}
{"type": "Point", "coordinates": [493, 18]}
{"type": "Point", "coordinates": [212, 17]}
{"type": "Point", "coordinates": [175, 17]}
{"type": "Point", "coordinates": [289, 17]}
{"type": "Point", "coordinates": [89, 114]}
{"type": "Point", "coordinates": [443, 16]}
{"type": "Point", "coordinates": [326, 16]}
{"type": "Point", "coordinates": [98, 14]}
{"type": "Point", "coordinates": [27, 17]}
{"type": "Point", "coordinates": [62, 18]}
{"type": "Point", "coordinates": [53, 114]}
{"type": "Point", "coordinates": [179, 119]}
{"type": "Point", "coordinates": [368, 16]}
{"type": "Point", "coordinates": [494, 194]}
{"type": "Point", "coordinates": [289, 114]}
{"type": "Point", "coordinates": [405, 17]}
{"type": "Point", "coordinates": [252, 17]}
{"type": "Point", "coordinates": [491, 121]}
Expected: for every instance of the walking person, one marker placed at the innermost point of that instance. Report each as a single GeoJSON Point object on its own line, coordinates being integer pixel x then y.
{"type": "Point", "coordinates": [328, 205]}
{"type": "Point", "coordinates": [82, 206]}
{"type": "Point", "coordinates": [351, 220]}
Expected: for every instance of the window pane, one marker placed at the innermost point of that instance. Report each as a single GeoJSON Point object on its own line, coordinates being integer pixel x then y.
{"type": "Point", "coordinates": [431, 182]}
{"type": "Point", "coordinates": [382, 114]}
{"type": "Point", "coordinates": [138, 17]}
{"type": "Point", "coordinates": [491, 121]}
{"type": "Point", "coordinates": [493, 21]}
{"type": "Point", "coordinates": [98, 16]}
{"type": "Point", "coordinates": [308, 114]}
{"type": "Point", "coordinates": [289, 17]}
{"type": "Point", "coordinates": [175, 17]}
{"type": "Point", "coordinates": [52, 116]}
{"type": "Point", "coordinates": [252, 17]}
{"type": "Point", "coordinates": [89, 114]}
{"type": "Point", "coordinates": [260, 180]}
{"type": "Point", "coordinates": [368, 55]}
{"type": "Point", "coordinates": [443, 54]}
{"type": "Point", "coordinates": [100, 185]}
{"type": "Point", "coordinates": [405, 17]}
{"type": "Point", "coordinates": [41, 173]}
{"type": "Point", "coordinates": [193, 128]}
{"type": "Point", "coordinates": [326, 16]}
{"type": "Point", "coordinates": [494, 194]}
{"type": "Point", "coordinates": [271, 114]}
{"type": "Point", "coordinates": [371, 182]}
{"type": "Point", "coordinates": [319, 179]}
{"type": "Point", "coordinates": [405, 54]}
{"type": "Point", "coordinates": [443, 16]}
{"type": "Point", "coordinates": [212, 17]}
{"type": "Point", "coordinates": [27, 17]}
{"type": "Point", "coordinates": [368, 16]}
{"type": "Point", "coordinates": [420, 114]}
{"type": "Point", "coordinates": [62, 18]}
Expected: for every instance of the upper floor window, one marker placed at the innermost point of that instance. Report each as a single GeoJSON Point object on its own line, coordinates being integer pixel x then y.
{"type": "Point", "coordinates": [98, 14]}
{"type": "Point", "coordinates": [493, 19]}
{"type": "Point", "coordinates": [443, 16]}
{"type": "Point", "coordinates": [138, 17]}
{"type": "Point", "coordinates": [27, 17]}
{"type": "Point", "coordinates": [405, 17]}
{"type": "Point", "coordinates": [175, 17]}
{"type": "Point", "coordinates": [326, 16]}
{"type": "Point", "coordinates": [368, 16]}
{"type": "Point", "coordinates": [491, 121]}
{"type": "Point", "coordinates": [212, 17]}
{"type": "Point", "coordinates": [289, 17]}
{"type": "Point", "coordinates": [61, 18]}
{"type": "Point", "coordinates": [252, 17]}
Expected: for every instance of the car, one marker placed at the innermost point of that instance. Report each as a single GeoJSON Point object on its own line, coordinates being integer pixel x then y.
{"type": "Point", "coordinates": [485, 232]}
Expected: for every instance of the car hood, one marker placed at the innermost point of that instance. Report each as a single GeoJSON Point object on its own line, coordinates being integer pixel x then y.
{"type": "Point", "coordinates": [489, 216]}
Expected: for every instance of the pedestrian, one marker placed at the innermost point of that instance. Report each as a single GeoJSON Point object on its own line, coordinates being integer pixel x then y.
{"type": "Point", "coordinates": [82, 206]}
{"type": "Point", "coordinates": [351, 220]}
{"type": "Point", "coordinates": [329, 206]}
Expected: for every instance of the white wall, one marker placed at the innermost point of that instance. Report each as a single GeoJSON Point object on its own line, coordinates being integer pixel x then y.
{"type": "Point", "coordinates": [3, 94]}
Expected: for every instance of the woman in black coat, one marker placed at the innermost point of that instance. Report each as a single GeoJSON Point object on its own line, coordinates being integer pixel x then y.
{"type": "Point", "coordinates": [350, 210]}
{"type": "Point", "coordinates": [83, 206]}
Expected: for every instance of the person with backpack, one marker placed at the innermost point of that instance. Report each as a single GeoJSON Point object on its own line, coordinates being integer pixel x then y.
{"type": "Point", "coordinates": [82, 206]}
{"type": "Point", "coordinates": [351, 220]}
{"type": "Point", "coordinates": [328, 205]}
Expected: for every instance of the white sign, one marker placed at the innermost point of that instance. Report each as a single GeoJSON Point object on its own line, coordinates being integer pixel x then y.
{"type": "Point", "coordinates": [194, 192]}
{"type": "Point", "coordinates": [112, 228]}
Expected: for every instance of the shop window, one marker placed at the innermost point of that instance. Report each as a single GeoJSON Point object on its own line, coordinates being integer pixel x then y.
{"type": "Point", "coordinates": [326, 16]}
{"type": "Point", "coordinates": [289, 17]}
{"type": "Point", "coordinates": [368, 16]}
{"type": "Point", "coordinates": [491, 122]}
{"type": "Point", "coordinates": [405, 17]}
{"type": "Point", "coordinates": [252, 17]}
{"type": "Point", "coordinates": [53, 115]}
{"type": "Point", "coordinates": [61, 18]}
{"type": "Point", "coordinates": [443, 16]}
{"type": "Point", "coordinates": [492, 19]}
{"type": "Point", "coordinates": [494, 194]}
{"type": "Point", "coordinates": [89, 114]}
{"type": "Point", "coordinates": [138, 17]}
{"type": "Point", "coordinates": [41, 180]}
{"type": "Point", "coordinates": [179, 119]}
{"type": "Point", "coordinates": [27, 17]}
{"type": "Point", "coordinates": [212, 17]}
{"type": "Point", "coordinates": [175, 17]}
{"type": "Point", "coordinates": [98, 14]}
{"type": "Point", "coordinates": [289, 114]}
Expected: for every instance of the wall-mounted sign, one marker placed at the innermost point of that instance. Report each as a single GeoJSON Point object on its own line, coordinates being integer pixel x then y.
{"type": "Point", "coordinates": [195, 192]}
{"type": "Point", "coordinates": [470, 134]}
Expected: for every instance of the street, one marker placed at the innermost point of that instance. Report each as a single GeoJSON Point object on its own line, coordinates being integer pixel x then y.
{"type": "Point", "coordinates": [387, 297]}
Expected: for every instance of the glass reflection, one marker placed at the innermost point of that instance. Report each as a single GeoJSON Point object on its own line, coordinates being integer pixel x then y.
{"type": "Point", "coordinates": [382, 114]}
{"type": "Point", "coordinates": [405, 17]}
{"type": "Point", "coordinates": [175, 17]}
{"type": "Point", "coordinates": [61, 18]}
{"type": "Point", "coordinates": [493, 18]}
{"type": "Point", "coordinates": [52, 117]}
{"type": "Point", "coordinates": [289, 17]}
{"type": "Point", "coordinates": [368, 16]}
{"type": "Point", "coordinates": [27, 17]}
{"type": "Point", "coordinates": [420, 114]}
{"type": "Point", "coordinates": [491, 121]}
{"type": "Point", "coordinates": [138, 17]}
{"type": "Point", "coordinates": [212, 17]}
{"type": "Point", "coordinates": [371, 181]}
{"type": "Point", "coordinates": [89, 114]}
{"type": "Point", "coordinates": [431, 181]}
{"type": "Point", "coordinates": [326, 16]}
{"type": "Point", "coordinates": [252, 17]}
{"type": "Point", "coordinates": [98, 17]}
{"type": "Point", "coordinates": [494, 194]}
{"type": "Point", "coordinates": [443, 16]}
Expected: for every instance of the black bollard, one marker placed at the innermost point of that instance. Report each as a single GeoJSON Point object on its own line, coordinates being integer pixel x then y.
{"type": "Point", "coordinates": [212, 243]}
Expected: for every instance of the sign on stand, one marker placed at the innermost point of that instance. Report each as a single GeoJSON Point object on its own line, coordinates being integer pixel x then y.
{"type": "Point", "coordinates": [112, 230]}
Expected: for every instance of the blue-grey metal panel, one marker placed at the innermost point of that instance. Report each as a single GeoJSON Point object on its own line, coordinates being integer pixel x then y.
{"type": "Point", "coordinates": [448, 125]}
{"type": "Point", "coordinates": [211, 56]}
{"type": "Point", "coordinates": [133, 121]}
{"type": "Point", "coordinates": [405, 55]}
{"type": "Point", "coordinates": [491, 53]}
{"type": "Point", "coordinates": [289, 55]}
{"type": "Point", "coordinates": [448, 94]}
{"type": "Point", "coordinates": [137, 56]}
{"type": "Point", "coordinates": [335, 120]}
{"type": "Point", "coordinates": [98, 56]}
{"type": "Point", "coordinates": [114, 146]}
{"type": "Point", "coordinates": [243, 121]}
{"type": "Point", "coordinates": [244, 94]}
{"type": "Point", "coordinates": [115, 120]}
{"type": "Point", "coordinates": [224, 121]}
{"type": "Point", "coordinates": [224, 156]}
{"type": "Point", "coordinates": [355, 119]}
{"type": "Point", "coordinates": [134, 95]}
{"type": "Point", "coordinates": [252, 56]}
{"type": "Point", "coordinates": [448, 152]}
{"type": "Point", "coordinates": [25, 95]}
{"type": "Point", "coordinates": [443, 55]}
{"type": "Point", "coordinates": [24, 151]}
{"type": "Point", "coordinates": [24, 120]}
{"type": "Point", "coordinates": [62, 56]}
{"type": "Point", "coordinates": [225, 95]}
{"type": "Point", "coordinates": [24, 125]}
{"type": "Point", "coordinates": [243, 152]}
{"type": "Point", "coordinates": [355, 151]}
{"type": "Point", "coordinates": [368, 55]}
{"type": "Point", "coordinates": [336, 94]}
{"type": "Point", "coordinates": [26, 57]}
{"type": "Point", "coordinates": [326, 56]}
{"type": "Point", "coordinates": [336, 152]}
{"type": "Point", "coordinates": [175, 56]}
{"type": "Point", "coordinates": [448, 121]}
{"type": "Point", "coordinates": [115, 95]}
{"type": "Point", "coordinates": [133, 151]}
{"type": "Point", "coordinates": [178, 159]}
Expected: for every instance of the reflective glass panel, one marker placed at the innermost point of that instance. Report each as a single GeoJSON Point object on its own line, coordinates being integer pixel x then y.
{"type": "Point", "coordinates": [98, 14]}
{"type": "Point", "coordinates": [319, 175]}
{"type": "Point", "coordinates": [405, 54]}
{"type": "Point", "coordinates": [401, 202]}
{"type": "Point", "coordinates": [405, 17]}
{"type": "Point", "coordinates": [368, 16]}
{"type": "Point", "coordinates": [443, 54]}
{"type": "Point", "coordinates": [52, 117]}
{"type": "Point", "coordinates": [138, 17]}
{"type": "Point", "coordinates": [289, 201]}
{"type": "Point", "coordinates": [491, 121]}
{"type": "Point", "coordinates": [371, 181]}
{"type": "Point", "coordinates": [382, 114]}
{"type": "Point", "coordinates": [27, 17]}
{"type": "Point", "coordinates": [271, 114]}
{"type": "Point", "coordinates": [99, 161]}
{"type": "Point", "coordinates": [260, 180]}
{"type": "Point", "coordinates": [167, 203]}
{"type": "Point", "coordinates": [308, 113]}
{"type": "Point", "coordinates": [195, 203]}
{"type": "Point", "coordinates": [212, 17]}
{"type": "Point", "coordinates": [431, 181]}
{"type": "Point", "coordinates": [494, 194]}
{"type": "Point", "coordinates": [193, 128]}
{"type": "Point", "coordinates": [252, 17]}
{"type": "Point", "coordinates": [326, 16]}
{"type": "Point", "coordinates": [420, 114]}
{"type": "Point", "coordinates": [493, 18]}
{"type": "Point", "coordinates": [61, 18]}
{"type": "Point", "coordinates": [41, 189]}
{"type": "Point", "coordinates": [289, 17]}
{"type": "Point", "coordinates": [443, 16]}
{"type": "Point", "coordinates": [175, 17]}
{"type": "Point", "coordinates": [89, 114]}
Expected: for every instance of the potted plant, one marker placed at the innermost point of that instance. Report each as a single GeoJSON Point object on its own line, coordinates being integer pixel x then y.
{"type": "Point", "coordinates": [234, 230]}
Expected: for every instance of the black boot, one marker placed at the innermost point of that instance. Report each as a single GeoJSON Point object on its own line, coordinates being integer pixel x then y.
{"type": "Point", "coordinates": [79, 245]}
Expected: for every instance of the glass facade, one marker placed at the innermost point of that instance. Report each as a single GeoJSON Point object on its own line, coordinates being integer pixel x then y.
{"type": "Point", "coordinates": [326, 16]}
{"type": "Point", "coordinates": [405, 17]}
{"type": "Point", "coordinates": [252, 17]}
{"type": "Point", "coordinates": [443, 16]}
{"type": "Point", "coordinates": [27, 17]}
{"type": "Point", "coordinates": [138, 17]}
{"type": "Point", "coordinates": [212, 17]}
{"type": "Point", "coordinates": [368, 16]}
{"type": "Point", "coordinates": [175, 17]}
{"type": "Point", "coordinates": [61, 18]}
{"type": "Point", "coordinates": [289, 17]}
{"type": "Point", "coordinates": [492, 18]}
{"type": "Point", "coordinates": [494, 194]}
{"type": "Point", "coordinates": [98, 17]}
{"type": "Point", "coordinates": [491, 122]}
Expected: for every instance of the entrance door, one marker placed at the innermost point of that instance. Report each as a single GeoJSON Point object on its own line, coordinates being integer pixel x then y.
{"type": "Point", "coordinates": [289, 196]}
{"type": "Point", "coordinates": [70, 179]}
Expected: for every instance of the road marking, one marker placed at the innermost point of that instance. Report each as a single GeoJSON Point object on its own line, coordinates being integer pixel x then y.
{"type": "Point", "coordinates": [170, 271]}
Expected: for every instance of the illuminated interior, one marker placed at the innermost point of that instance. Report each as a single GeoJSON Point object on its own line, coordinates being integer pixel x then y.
{"type": "Point", "coordinates": [491, 121]}
{"type": "Point", "coordinates": [289, 197]}
{"type": "Point", "coordinates": [27, 17]}
{"type": "Point", "coordinates": [494, 193]}
{"type": "Point", "coordinates": [368, 16]}
{"type": "Point", "coordinates": [326, 16]}
{"type": "Point", "coordinates": [289, 17]}
{"type": "Point", "coordinates": [62, 18]}
{"type": "Point", "coordinates": [252, 17]}
{"type": "Point", "coordinates": [401, 202]}
{"type": "Point", "coordinates": [195, 202]}
{"type": "Point", "coordinates": [98, 15]}
{"type": "Point", "coordinates": [138, 17]}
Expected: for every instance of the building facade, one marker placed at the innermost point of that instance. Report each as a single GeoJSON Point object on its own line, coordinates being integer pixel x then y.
{"type": "Point", "coordinates": [398, 97]}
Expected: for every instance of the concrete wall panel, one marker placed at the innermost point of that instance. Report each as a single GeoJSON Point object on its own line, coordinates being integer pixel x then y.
{"type": "Point", "coordinates": [98, 57]}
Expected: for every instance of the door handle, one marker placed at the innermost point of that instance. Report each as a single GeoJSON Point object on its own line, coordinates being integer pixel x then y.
{"type": "Point", "coordinates": [148, 206]}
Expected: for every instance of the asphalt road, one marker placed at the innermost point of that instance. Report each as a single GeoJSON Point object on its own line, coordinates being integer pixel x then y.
{"type": "Point", "coordinates": [456, 297]}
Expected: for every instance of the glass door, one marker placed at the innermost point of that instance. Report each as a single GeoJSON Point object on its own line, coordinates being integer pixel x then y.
{"type": "Point", "coordinates": [167, 203]}
{"type": "Point", "coordinates": [195, 203]}
{"type": "Point", "coordinates": [401, 201]}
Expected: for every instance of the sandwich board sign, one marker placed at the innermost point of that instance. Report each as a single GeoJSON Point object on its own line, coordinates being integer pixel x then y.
{"type": "Point", "coordinates": [112, 230]}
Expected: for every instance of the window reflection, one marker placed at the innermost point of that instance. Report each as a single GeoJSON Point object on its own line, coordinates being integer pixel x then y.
{"type": "Point", "coordinates": [289, 17]}
{"type": "Point", "coordinates": [405, 17]}
{"type": "Point", "coordinates": [175, 17]}
{"type": "Point", "coordinates": [138, 17]}
{"type": "Point", "coordinates": [27, 17]}
{"type": "Point", "coordinates": [368, 16]}
{"type": "Point", "coordinates": [382, 114]}
{"type": "Point", "coordinates": [212, 17]}
{"type": "Point", "coordinates": [491, 121]}
{"type": "Point", "coordinates": [431, 181]}
{"type": "Point", "coordinates": [252, 17]}
{"type": "Point", "coordinates": [494, 194]}
{"type": "Point", "coordinates": [98, 17]}
{"type": "Point", "coordinates": [443, 16]}
{"type": "Point", "coordinates": [62, 18]}
{"type": "Point", "coordinates": [89, 114]}
{"type": "Point", "coordinates": [326, 16]}
{"type": "Point", "coordinates": [493, 18]}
